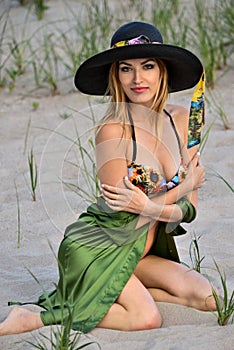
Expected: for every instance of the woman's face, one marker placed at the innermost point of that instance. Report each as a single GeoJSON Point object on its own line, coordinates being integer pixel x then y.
{"type": "Point", "coordinates": [139, 78]}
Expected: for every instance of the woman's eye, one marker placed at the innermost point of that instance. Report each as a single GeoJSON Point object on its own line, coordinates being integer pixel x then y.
{"type": "Point", "coordinates": [125, 69]}
{"type": "Point", "coordinates": [149, 66]}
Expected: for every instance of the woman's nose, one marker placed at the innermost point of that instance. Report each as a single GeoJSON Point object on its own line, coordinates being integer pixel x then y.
{"type": "Point", "coordinates": [137, 78]}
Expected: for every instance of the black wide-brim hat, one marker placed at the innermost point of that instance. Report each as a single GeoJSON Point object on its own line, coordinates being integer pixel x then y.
{"type": "Point", "coordinates": [139, 40]}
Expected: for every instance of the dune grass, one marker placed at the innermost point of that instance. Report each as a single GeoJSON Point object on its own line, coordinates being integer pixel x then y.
{"type": "Point", "coordinates": [61, 336]}
{"type": "Point", "coordinates": [85, 168]}
{"type": "Point", "coordinates": [39, 7]}
{"type": "Point", "coordinates": [195, 255]}
{"type": "Point", "coordinates": [33, 172]}
{"type": "Point", "coordinates": [214, 100]}
{"type": "Point", "coordinates": [227, 183]}
{"type": "Point", "coordinates": [52, 56]}
{"type": "Point", "coordinates": [213, 34]}
{"type": "Point", "coordinates": [224, 303]}
{"type": "Point", "coordinates": [18, 217]}
{"type": "Point", "coordinates": [78, 42]}
{"type": "Point", "coordinates": [223, 300]}
{"type": "Point", "coordinates": [4, 18]}
{"type": "Point", "coordinates": [80, 159]}
{"type": "Point", "coordinates": [61, 339]}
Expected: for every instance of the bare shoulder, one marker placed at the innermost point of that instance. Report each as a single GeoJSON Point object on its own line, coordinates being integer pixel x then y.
{"type": "Point", "coordinates": [180, 116]}
{"type": "Point", "coordinates": [109, 131]}
{"type": "Point", "coordinates": [178, 112]}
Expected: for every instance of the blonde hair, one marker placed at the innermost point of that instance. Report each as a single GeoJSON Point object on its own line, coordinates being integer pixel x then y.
{"type": "Point", "coordinates": [119, 101]}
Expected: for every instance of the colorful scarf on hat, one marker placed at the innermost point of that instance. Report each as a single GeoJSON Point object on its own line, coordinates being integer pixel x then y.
{"type": "Point", "coordinates": [197, 112]}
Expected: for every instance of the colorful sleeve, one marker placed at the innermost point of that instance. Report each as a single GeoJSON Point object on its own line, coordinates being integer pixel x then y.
{"type": "Point", "coordinates": [197, 113]}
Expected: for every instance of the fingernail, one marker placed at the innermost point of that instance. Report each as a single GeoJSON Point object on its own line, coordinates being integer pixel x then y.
{"type": "Point", "coordinates": [102, 185]}
{"type": "Point", "coordinates": [125, 178]}
{"type": "Point", "coordinates": [198, 153]}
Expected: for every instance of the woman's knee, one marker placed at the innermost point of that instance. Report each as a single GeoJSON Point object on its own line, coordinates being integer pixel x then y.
{"type": "Point", "coordinates": [147, 320]}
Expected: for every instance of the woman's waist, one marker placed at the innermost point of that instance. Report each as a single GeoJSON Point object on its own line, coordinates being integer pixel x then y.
{"type": "Point", "coordinates": [151, 236]}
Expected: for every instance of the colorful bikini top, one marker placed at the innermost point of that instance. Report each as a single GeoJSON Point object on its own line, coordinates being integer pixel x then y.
{"type": "Point", "coordinates": [148, 179]}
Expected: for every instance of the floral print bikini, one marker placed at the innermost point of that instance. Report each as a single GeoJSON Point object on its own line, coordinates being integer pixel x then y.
{"type": "Point", "coordinates": [148, 179]}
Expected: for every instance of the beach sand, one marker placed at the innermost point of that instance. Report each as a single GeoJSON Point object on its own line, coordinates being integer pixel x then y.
{"type": "Point", "coordinates": [42, 222]}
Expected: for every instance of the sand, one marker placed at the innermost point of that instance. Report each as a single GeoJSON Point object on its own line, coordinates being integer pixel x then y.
{"type": "Point", "coordinates": [43, 222]}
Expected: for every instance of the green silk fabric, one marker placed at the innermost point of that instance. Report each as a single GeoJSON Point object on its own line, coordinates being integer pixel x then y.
{"type": "Point", "coordinates": [96, 258]}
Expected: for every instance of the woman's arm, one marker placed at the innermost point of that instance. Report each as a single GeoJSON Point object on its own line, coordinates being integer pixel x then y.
{"type": "Point", "coordinates": [111, 149]}
{"type": "Point", "coordinates": [111, 154]}
{"type": "Point", "coordinates": [161, 207]}
{"type": "Point", "coordinates": [133, 200]}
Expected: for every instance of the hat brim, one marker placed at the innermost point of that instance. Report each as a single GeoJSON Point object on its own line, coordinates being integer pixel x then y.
{"type": "Point", "coordinates": [184, 68]}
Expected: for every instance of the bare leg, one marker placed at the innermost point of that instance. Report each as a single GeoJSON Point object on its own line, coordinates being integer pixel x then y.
{"type": "Point", "coordinates": [206, 304]}
{"type": "Point", "coordinates": [172, 282]}
{"type": "Point", "coordinates": [134, 309]}
{"type": "Point", "coordinates": [20, 320]}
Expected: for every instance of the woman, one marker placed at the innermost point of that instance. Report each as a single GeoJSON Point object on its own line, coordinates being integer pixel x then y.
{"type": "Point", "coordinates": [120, 257]}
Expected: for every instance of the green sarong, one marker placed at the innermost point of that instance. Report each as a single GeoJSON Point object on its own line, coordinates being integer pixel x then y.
{"type": "Point", "coordinates": [96, 258]}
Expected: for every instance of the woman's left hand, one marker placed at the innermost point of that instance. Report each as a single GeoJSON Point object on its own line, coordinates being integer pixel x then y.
{"type": "Point", "coordinates": [130, 199]}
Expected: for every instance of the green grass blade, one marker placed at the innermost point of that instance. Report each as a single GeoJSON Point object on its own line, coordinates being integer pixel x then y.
{"type": "Point", "coordinates": [224, 180]}
{"type": "Point", "coordinates": [224, 307]}
{"type": "Point", "coordinates": [217, 174]}
{"type": "Point", "coordinates": [18, 217]}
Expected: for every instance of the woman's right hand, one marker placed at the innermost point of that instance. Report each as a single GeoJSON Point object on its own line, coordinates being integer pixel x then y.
{"type": "Point", "coordinates": [195, 177]}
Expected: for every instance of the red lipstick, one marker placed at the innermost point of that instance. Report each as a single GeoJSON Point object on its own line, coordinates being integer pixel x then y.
{"type": "Point", "coordinates": [139, 89]}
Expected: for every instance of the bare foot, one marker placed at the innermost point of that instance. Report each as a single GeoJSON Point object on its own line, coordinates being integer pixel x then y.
{"type": "Point", "coordinates": [19, 321]}
{"type": "Point", "coordinates": [210, 303]}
